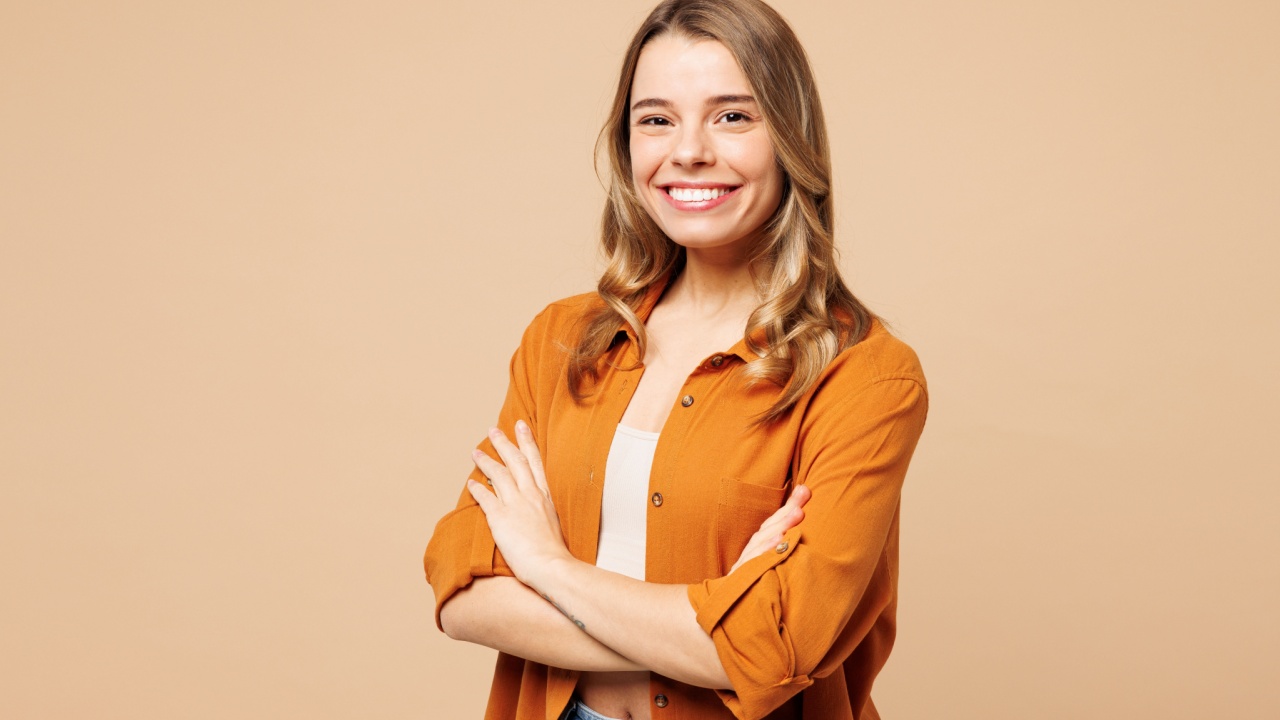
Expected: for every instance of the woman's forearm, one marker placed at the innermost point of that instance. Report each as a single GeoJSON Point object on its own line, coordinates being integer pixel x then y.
{"type": "Point", "coordinates": [650, 625]}
{"type": "Point", "coordinates": [505, 614]}
{"type": "Point", "coordinates": [650, 622]}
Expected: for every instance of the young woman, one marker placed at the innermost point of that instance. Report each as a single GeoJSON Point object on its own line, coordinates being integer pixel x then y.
{"type": "Point", "coordinates": [688, 507]}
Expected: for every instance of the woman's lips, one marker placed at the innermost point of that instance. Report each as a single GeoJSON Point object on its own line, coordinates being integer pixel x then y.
{"type": "Point", "coordinates": [696, 205]}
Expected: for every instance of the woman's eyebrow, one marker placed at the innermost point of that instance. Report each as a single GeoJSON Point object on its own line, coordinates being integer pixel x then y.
{"type": "Point", "coordinates": [650, 102]}
{"type": "Point", "coordinates": [717, 100]}
{"type": "Point", "coordinates": [730, 99]}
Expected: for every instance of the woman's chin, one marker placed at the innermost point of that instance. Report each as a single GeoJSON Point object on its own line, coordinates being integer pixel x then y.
{"type": "Point", "coordinates": [708, 242]}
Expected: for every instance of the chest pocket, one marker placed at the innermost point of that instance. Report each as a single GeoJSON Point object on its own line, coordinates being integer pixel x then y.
{"type": "Point", "coordinates": [740, 508]}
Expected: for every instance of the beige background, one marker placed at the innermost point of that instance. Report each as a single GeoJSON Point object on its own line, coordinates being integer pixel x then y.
{"type": "Point", "coordinates": [262, 266]}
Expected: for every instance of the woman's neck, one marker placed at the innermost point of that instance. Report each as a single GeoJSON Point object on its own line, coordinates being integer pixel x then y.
{"type": "Point", "coordinates": [711, 285]}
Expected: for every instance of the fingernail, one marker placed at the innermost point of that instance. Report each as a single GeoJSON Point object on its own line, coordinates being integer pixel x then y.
{"type": "Point", "coordinates": [521, 426]}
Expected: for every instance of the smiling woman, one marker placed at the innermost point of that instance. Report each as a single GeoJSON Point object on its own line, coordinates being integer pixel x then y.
{"type": "Point", "coordinates": [699, 142]}
{"type": "Point", "coordinates": [689, 504]}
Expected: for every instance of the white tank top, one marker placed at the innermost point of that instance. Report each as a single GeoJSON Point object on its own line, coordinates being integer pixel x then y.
{"type": "Point", "coordinates": [625, 504]}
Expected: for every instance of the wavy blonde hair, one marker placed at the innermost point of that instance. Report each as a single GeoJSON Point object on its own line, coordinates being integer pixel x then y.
{"type": "Point", "coordinates": [808, 314]}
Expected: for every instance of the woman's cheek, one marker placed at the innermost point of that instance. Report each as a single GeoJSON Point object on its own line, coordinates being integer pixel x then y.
{"type": "Point", "coordinates": [646, 157]}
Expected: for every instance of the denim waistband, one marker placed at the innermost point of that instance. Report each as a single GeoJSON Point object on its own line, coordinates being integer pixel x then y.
{"type": "Point", "coordinates": [577, 711]}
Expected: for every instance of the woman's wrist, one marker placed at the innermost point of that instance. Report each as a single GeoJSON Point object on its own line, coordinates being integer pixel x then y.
{"type": "Point", "coordinates": [551, 576]}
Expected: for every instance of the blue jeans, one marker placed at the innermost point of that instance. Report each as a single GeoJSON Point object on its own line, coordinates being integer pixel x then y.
{"type": "Point", "coordinates": [577, 711]}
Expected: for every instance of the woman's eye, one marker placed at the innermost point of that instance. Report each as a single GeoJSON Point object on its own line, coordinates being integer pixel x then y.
{"type": "Point", "coordinates": [734, 117]}
{"type": "Point", "coordinates": [654, 121]}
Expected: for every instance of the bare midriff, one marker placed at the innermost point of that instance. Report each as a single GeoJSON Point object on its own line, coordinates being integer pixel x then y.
{"type": "Point", "coordinates": [622, 695]}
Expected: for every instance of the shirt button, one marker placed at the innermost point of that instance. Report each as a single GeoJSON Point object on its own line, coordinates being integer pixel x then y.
{"type": "Point", "coordinates": [687, 400]}
{"type": "Point", "coordinates": [782, 547]}
{"type": "Point", "coordinates": [660, 700]}
{"type": "Point", "coordinates": [717, 361]}
{"type": "Point", "coordinates": [657, 499]}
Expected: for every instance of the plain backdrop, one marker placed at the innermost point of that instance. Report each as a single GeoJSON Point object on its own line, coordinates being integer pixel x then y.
{"type": "Point", "coordinates": [263, 264]}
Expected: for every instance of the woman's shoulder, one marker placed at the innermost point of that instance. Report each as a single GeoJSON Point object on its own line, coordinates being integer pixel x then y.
{"type": "Point", "coordinates": [879, 356]}
{"type": "Point", "coordinates": [573, 307]}
{"type": "Point", "coordinates": [558, 321]}
{"type": "Point", "coordinates": [566, 312]}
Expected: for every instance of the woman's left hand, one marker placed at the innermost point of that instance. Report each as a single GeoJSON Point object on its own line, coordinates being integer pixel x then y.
{"type": "Point", "coordinates": [520, 513]}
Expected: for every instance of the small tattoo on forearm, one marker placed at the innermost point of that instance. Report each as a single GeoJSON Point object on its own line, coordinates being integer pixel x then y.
{"type": "Point", "coordinates": [564, 612]}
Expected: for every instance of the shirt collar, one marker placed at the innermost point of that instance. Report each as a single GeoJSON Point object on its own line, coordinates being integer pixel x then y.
{"type": "Point", "coordinates": [759, 337]}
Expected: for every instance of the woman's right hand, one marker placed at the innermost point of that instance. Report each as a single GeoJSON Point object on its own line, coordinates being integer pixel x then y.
{"type": "Point", "coordinates": [770, 533]}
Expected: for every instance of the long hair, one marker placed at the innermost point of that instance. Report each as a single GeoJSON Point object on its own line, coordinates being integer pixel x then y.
{"type": "Point", "coordinates": [808, 314]}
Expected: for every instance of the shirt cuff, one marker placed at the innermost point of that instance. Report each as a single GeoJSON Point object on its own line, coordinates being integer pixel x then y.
{"type": "Point", "coordinates": [460, 550]}
{"type": "Point", "coordinates": [742, 613]}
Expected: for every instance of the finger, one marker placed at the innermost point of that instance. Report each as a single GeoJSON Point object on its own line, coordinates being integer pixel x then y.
{"type": "Point", "coordinates": [787, 516]}
{"type": "Point", "coordinates": [758, 545]}
{"type": "Point", "coordinates": [517, 464]}
{"type": "Point", "coordinates": [792, 511]}
{"type": "Point", "coordinates": [497, 473]}
{"type": "Point", "coordinates": [800, 495]}
{"type": "Point", "coordinates": [784, 519]}
{"type": "Point", "coordinates": [483, 497]}
{"type": "Point", "coordinates": [782, 522]}
{"type": "Point", "coordinates": [528, 446]}
{"type": "Point", "coordinates": [777, 516]}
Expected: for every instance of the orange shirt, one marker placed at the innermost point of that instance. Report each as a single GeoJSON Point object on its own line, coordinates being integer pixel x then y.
{"type": "Point", "coordinates": [802, 631]}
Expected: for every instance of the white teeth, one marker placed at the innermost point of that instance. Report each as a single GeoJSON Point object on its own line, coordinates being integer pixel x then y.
{"type": "Point", "coordinates": [696, 194]}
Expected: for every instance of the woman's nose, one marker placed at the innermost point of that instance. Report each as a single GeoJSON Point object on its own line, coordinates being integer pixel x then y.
{"type": "Point", "coordinates": [692, 148]}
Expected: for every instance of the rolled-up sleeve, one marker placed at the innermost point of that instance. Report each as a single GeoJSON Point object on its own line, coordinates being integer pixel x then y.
{"type": "Point", "coordinates": [795, 613]}
{"type": "Point", "coordinates": [461, 547]}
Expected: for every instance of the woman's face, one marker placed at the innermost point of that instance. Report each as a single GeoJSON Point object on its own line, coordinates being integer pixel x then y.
{"type": "Point", "coordinates": [701, 158]}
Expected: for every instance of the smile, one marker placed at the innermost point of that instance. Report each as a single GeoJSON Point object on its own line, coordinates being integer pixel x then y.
{"type": "Point", "coordinates": [686, 198]}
